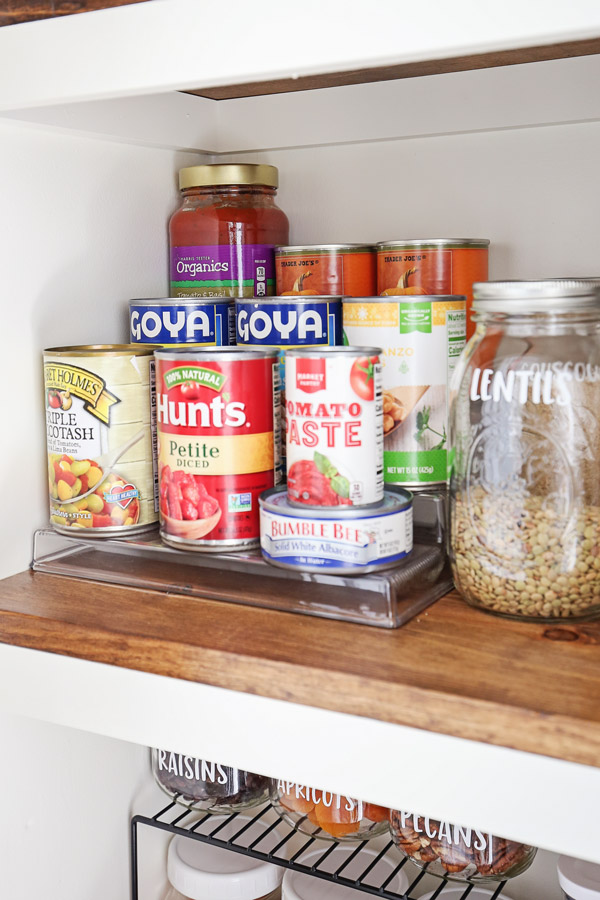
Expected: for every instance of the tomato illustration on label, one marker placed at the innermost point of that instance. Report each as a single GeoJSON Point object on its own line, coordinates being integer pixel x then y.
{"type": "Point", "coordinates": [362, 376]}
{"type": "Point", "coordinates": [317, 482]}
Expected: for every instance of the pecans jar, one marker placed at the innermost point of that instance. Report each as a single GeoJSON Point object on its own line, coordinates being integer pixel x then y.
{"type": "Point", "coordinates": [456, 852]}
{"type": "Point", "coordinates": [525, 450]}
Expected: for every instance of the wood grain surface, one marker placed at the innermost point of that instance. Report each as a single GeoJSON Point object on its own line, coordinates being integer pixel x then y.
{"type": "Point", "coordinates": [12, 12]}
{"type": "Point", "coordinates": [489, 60]}
{"type": "Point", "coordinates": [452, 670]}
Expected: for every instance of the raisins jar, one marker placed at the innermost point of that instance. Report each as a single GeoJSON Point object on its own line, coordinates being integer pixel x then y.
{"type": "Point", "coordinates": [200, 784]}
{"type": "Point", "coordinates": [327, 815]}
{"type": "Point", "coordinates": [525, 448]}
{"type": "Point", "coordinates": [456, 852]}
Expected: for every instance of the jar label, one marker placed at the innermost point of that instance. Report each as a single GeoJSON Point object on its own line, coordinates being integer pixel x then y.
{"type": "Point", "coordinates": [223, 270]}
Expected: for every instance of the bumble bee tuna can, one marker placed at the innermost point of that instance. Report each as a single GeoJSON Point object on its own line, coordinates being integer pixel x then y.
{"type": "Point", "coordinates": [99, 428]}
{"type": "Point", "coordinates": [218, 434]}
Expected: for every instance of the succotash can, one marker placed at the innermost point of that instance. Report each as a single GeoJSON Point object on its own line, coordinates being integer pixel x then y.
{"type": "Point", "coordinates": [433, 266]}
{"type": "Point", "coordinates": [421, 339]}
{"type": "Point", "coordinates": [347, 269]}
{"type": "Point", "coordinates": [218, 434]}
{"type": "Point", "coordinates": [203, 321]}
{"type": "Point", "coordinates": [100, 433]}
{"type": "Point", "coordinates": [334, 426]}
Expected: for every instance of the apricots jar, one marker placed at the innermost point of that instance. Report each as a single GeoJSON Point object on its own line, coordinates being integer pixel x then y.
{"type": "Point", "coordinates": [325, 814]}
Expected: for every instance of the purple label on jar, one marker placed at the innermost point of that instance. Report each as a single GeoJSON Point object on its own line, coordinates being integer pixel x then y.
{"type": "Point", "coordinates": [223, 270]}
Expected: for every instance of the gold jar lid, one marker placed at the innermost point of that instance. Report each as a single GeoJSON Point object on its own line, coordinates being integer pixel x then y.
{"type": "Point", "coordinates": [228, 173]}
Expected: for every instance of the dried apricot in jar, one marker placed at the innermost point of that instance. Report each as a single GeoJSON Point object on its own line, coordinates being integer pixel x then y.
{"type": "Point", "coordinates": [335, 820]}
{"type": "Point", "coordinates": [290, 800]}
{"type": "Point", "coordinates": [375, 813]}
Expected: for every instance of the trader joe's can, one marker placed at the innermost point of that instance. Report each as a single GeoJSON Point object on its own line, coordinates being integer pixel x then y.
{"type": "Point", "coordinates": [422, 338]}
{"type": "Point", "coordinates": [435, 266]}
{"type": "Point", "coordinates": [204, 321]}
{"type": "Point", "coordinates": [218, 433]}
{"type": "Point", "coordinates": [100, 428]}
{"type": "Point", "coordinates": [342, 541]}
{"type": "Point", "coordinates": [334, 426]}
{"type": "Point", "coordinates": [347, 269]}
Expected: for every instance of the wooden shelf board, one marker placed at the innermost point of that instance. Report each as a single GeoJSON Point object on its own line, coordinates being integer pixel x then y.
{"type": "Point", "coordinates": [452, 670]}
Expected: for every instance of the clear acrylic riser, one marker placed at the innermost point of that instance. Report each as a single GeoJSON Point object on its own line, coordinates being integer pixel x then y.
{"type": "Point", "coordinates": [385, 599]}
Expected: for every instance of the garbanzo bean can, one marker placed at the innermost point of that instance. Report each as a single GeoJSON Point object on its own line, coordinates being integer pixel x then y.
{"type": "Point", "coordinates": [334, 426]}
{"type": "Point", "coordinates": [327, 269]}
{"type": "Point", "coordinates": [100, 432]}
{"type": "Point", "coordinates": [218, 436]}
{"type": "Point", "coordinates": [433, 266]}
{"type": "Point", "coordinates": [421, 339]}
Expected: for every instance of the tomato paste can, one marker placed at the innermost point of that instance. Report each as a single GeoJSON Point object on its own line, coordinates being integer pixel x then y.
{"type": "Point", "coordinates": [100, 431]}
{"type": "Point", "coordinates": [176, 321]}
{"type": "Point", "coordinates": [434, 266]}
{"type": "Point", "coordinates": [343, 541]}
{"type": "Point", "coordinates": [218, 435]}
{"type": "Point", "coordinates": [421, 338]}
{"type": "Point", "coordinates": [327, 269]}
{"type": "Point", "coordinates": [334, 426]}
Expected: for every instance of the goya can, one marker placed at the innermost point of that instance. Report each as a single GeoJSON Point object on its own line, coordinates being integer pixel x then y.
{"type": "Point", "coordinates": [334, 426]}
{"type": "Point", "coordinates": [218, 434]}
{"type": "Point", "coordinates": [342, 541]}
{"type": "Point", "coordinates": [435, 266]}
{"type": "Point", "coordinates": [421, 338]}
{"type": "Point", "coordinates": [100, 432]}
{"type": "Point", "coordinates": [208, 321]}
{"type": "Point", "coordinates": [347, 269]}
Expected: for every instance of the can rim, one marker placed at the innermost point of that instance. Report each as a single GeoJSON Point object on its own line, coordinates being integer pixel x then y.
{"type": "Point", "coordinates": [452, 243]}
{"type": "Point", "coordinates": [180, 301]}
{"type": "Point", "coordinates": [405, 298]}
{"type": "Point", "coordinates": [104, 350]}
{"type": "Point", "coordinates": [292, 298]}
{"type": "Point", "coordinates": [333, 351]}
{"type": "Point", "coordinates": [229, 352]}
{"type": "Point", "coordinates": [290, 249]}
{"type": "Point", "coordinates": [395, 499]}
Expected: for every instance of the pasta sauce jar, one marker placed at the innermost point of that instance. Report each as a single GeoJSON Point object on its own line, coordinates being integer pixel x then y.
{"type": "Point", "coordinates": [222, 237]}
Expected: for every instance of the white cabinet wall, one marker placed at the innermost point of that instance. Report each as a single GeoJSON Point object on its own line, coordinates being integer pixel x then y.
{"type": "Point", "coordinates": [86, 189]}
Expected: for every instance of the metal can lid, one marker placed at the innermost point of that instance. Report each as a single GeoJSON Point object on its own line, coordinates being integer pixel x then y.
{"type": "Point", "coordinates": [104, 350]}
{"type": "Point", "coordinates": [291, 298]}
{"type": "Point", "coordinates": [406, 298]}
{"type": "Point", "coordinates": [180, 301]}
{"type": "Point", "coordinates": [395, 499]}
{"type": "Point", "coordinates": [334, 351]}
{"type": "Point", "coordinates": [228, 173]}
{"type": "Point", "coordinates": [436, 243]}
{"type": "Point", "coordinates": [225, 353]}
{"type": "Point", "coordinates": [324, 248]}
{"type": "Point", "coordinates": [515, 296]}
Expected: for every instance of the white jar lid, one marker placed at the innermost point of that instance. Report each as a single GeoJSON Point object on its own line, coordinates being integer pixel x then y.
{"type": "Point", "coordinates": [454, 892]}
{"type": "Point", "coordinates": [204, 872]}
{"type": "Point", "coordinates": [300, 886]}
{"type": "Point", "coordinates": [579, 879]}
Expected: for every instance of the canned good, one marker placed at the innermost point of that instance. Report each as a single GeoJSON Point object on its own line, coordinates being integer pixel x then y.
{"type": "Point", "coordinates": [334, 426]}
{"type": "Point", "coordinates": [348, 269]}
{"type": "Point", "coordinates": [343, 541]}
{"type": "Point", "coordinates": [218, 434]}
{"type": "Point", "coordinates": [434, 266]}
{"type": "Point", "coordinates": [208, 321]}
{"type": "Point", "coordinates": [421, 339]}
{"type": "Point", "coordinates": [99, 429]}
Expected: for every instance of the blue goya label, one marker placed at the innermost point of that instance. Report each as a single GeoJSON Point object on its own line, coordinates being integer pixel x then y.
{"type": "Point", "coordinates": [289, 324]}
{"type": "Point", "coordinates": [209, 324]}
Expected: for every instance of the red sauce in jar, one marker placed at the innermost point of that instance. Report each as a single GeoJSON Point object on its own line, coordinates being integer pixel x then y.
{"type": "Point", "coordinates": [222, 237]}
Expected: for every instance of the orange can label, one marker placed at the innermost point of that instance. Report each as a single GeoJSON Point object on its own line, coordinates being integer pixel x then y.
{"type": "Point", "coordinates": [325, 271]}
{"type": "Point", "coordinates": [431, 270]}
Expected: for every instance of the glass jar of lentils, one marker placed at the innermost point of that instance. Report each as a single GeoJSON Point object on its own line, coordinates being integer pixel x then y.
{"type": "Point", "coordinates": [524, 464]}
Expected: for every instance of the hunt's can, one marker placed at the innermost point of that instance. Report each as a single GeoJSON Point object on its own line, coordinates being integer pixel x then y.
{"type": "Point", "coordinates": [421, 338]}
{"type": "Point", "coordinates": [218, 435]}
{"type": "Point", "coordinates": [286, 322]}
{"type": "Point", "coordinates": [100, 430]}
{"type": "Point", "coordinates": [330, 269]}
{"type": "Point", "coordinates": [204, 321]}
{"type": "Point", "coordinates": [433, 266]}
{"type": "Point", "coordinates": [342, 541]}
{"type": "Point", "coordinates": [334, 426]}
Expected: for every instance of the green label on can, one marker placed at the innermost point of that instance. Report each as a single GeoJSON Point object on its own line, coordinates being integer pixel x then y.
{"type": "Point", "coordinates": [424, 466]}
{"type": "Point", "coordinates": [415, 317]}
